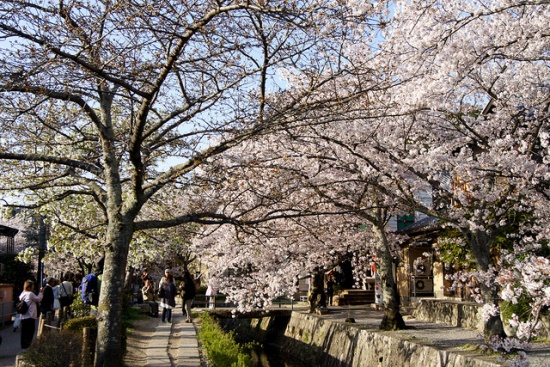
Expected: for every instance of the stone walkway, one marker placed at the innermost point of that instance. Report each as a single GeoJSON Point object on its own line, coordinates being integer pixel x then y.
{"type": "Point", "coordinates": [174, 344]}
{"type": "Point", "coordinates": [11, 346]}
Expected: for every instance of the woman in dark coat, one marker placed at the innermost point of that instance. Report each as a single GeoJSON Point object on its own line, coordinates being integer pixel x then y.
{"type": "Point", "coordinates": [189, 292]}
{"type": "Point", "coordinates": [168, 300]}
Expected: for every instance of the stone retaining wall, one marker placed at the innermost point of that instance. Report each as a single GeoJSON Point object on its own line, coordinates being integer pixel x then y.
{"type": "Point", "coordinates": [467, 315]}
{"type": "Point", "coordinates": [320, 342]}
{"type": "Point", "coordinates": [454, 313]}
{"type": "Point", "coordinates": [324, 343]}
{"type": "Point", "coordinates": [262, 329]}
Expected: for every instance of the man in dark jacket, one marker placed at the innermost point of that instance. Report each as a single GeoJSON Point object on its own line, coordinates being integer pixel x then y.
{"type": "Point", "coordinates": [46, 305]}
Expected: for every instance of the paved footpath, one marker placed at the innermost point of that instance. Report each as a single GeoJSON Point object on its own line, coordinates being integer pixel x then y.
{"type": "Point", "coordinates": [174, 344]}
{"type": "Point", "coordinates": [11, 346]}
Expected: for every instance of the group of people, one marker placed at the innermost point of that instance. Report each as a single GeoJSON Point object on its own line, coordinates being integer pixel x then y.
{"type": "Point", "coordinates": [167, 292]}
{"type": "Point", "coordinates": [57, 295]}
{"type": "Point", "coordinates": [52, 296]}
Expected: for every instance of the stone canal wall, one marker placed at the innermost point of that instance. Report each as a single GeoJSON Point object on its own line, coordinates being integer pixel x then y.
{"type": "Point", "coordinates": [321, 342]}
{"type": "Point", "coordinates": [325, 343]}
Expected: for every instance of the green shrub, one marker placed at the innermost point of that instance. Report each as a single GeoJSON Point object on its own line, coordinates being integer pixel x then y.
{"type": "Point", "coordinates": [79, 323]}
{"type": "Point", "coordinates": [55, 349]}
{"type": "Point", "coordinates": [79, 308]}
{"type": "Point", "coordinates": [76, 326]}
{"type": "Point", "coordinates": [221, 348]}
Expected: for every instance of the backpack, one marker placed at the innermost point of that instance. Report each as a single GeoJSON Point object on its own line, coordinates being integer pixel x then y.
{"type": "Point", "coordinates": [88, 292]}
{"type": "Point", "coordinates": [21, 307]}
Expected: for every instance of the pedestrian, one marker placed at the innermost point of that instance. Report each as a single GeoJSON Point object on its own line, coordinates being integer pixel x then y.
{"type": "Point", "coordinates": [145, 276]}
{"type": "Point", "coordinates": [189, 292]}
{"type": "Point", "coordinates": [46, 305]}
{"type": "Point", "coordinates": [163, 279]}
{"type": "Point", "coordinates": [28, 319]}
{"type": "Point", "coordinates": [167, 294]}
{"type": "Point", "coordinates": [148, 293]}
{"type": "Point", "coordinates": [330, 289]}
{"type": "Point", "coordinates": [66, 291]}
{"type": "Point", "coordinates": [211, 293]}
{"type": "Point", "coordinates": [56, 302]}
{"type": "Point", "coordinates": [16, 322]}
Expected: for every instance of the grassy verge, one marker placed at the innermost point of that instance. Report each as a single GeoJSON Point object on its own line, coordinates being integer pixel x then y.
{"type": "Point", "coordinates": [219, 346]}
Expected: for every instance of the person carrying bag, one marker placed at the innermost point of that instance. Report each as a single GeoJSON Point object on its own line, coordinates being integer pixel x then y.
{"type": "Point", "coordinates": [66, 293]}
{"type": "Point", "coordinates": [28, 319]}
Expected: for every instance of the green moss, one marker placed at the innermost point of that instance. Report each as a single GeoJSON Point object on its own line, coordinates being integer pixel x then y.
{"type": "Point", "coordinates": [522, 309]}
{"type": "Point", "coordinates": [306, 337]}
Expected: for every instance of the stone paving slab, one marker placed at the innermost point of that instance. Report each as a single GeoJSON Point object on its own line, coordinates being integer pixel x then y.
{"type": "Point", "coordinates": [188, 355]}
{"type": "Point", "coordinates": [178, 335]}
{"type": "Point", "coordinates": [157, 351]}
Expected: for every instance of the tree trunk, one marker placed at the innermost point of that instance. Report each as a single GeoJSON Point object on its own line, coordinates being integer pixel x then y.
{"type": "Point", "coordinates": [109, 347]}
{"type": "Point", "coordinates": [392, 320]}
{"type": "Point", "coordinates": [317, 297]}
{"type": "Point", "coordinates": [480, 245]}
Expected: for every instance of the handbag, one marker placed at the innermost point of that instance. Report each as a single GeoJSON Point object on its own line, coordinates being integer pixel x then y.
{"type": "Point", "coordinates": [160, 293]}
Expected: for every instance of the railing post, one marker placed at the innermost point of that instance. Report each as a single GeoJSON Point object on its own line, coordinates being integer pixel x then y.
{"type": "Point", "coordinates": [40, 325]}
{"type": "Point", "coordinates": [86, 347]}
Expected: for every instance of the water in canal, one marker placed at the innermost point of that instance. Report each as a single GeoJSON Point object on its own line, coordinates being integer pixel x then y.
{"type": "Point", "coordinates": [271, 356]}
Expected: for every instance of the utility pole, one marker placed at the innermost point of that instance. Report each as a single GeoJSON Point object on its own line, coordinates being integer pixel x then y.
{"type": "Point", "coordinates": [41, 247]}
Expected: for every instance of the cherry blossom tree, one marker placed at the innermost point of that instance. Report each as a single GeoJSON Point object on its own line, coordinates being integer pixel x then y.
{"type": "Point", "coordinates": [257, 265]}
{"type": "Point", "coordinates": [116, 101]}
{"type": "Point", "coordinates": [466, 122]}
{"type": "Point", "coordinates": [473, 96]}
{"type": "Point", "coordinates": [329, 171]}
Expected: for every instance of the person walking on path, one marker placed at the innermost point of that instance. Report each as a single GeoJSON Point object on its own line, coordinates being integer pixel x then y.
{"type": "Point", "coordinates": [149, 296]}
{"type": "Point", "coordinates": [211, 293]}
{"type": "Point", "coordinates": [56, 295]}
{"type": "Point", "coordinates": [47, 300]}
{"type": "Point", "coordinates": [66, 293]}
{"type": "Point", "coordinates": [167, 294]}
{"type": "Point", "coordinates": [189, 292]}
{"type": "Point", "coordinates": [330, 289]}
{"type": "Point", "coordinates": [28, 319]}
{"type": "Point", "coordinates": [163, 279]}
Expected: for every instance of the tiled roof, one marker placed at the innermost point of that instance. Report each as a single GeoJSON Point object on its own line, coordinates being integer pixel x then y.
{"type": "Point", "coordinates": [8, 231]}
{"type": "Point", "coordinates": [426, 224]}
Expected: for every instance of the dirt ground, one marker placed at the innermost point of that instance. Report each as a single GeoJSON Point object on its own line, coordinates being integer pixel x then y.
{"type": "Point", "coordinates": [138, 340]}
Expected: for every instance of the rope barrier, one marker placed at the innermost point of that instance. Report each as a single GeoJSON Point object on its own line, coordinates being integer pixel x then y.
{"type": "Point", "coordinates": [52, 327]}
